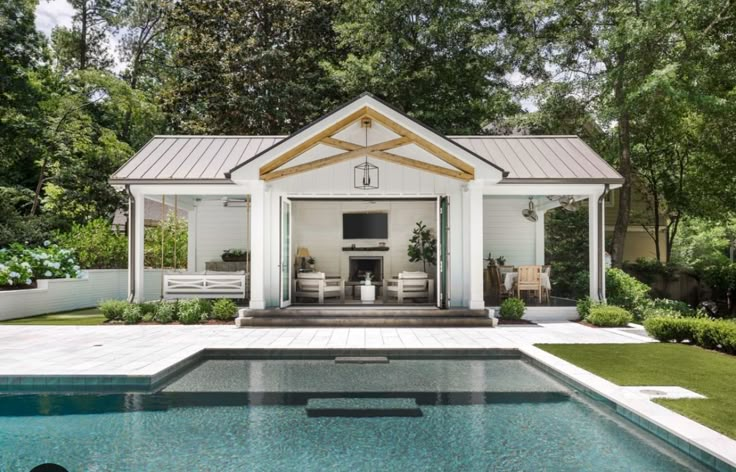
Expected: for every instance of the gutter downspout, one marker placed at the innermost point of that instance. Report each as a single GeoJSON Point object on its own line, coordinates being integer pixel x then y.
{"type": "Point", "coordinates": [601, 242]}
{"type": "Point", "coordinates": [131, 244]}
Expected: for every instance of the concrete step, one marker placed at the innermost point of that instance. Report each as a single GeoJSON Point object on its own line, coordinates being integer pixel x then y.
{"type": "Point", "coordinates": [291, 313]}
{"type": "Point", "coordinates": [370, 321]}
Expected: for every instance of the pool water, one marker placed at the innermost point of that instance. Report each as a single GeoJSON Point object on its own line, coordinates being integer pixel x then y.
{"type": "Point", "coordinates": [497, 414]}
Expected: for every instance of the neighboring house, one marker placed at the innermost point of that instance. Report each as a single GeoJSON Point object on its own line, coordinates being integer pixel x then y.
{"type": "Point", "coordinates": [349, 188]}
{"type": "Point", "coordinates": [639, 242]}
{"type": "Point", "coordinates": [154, 209]}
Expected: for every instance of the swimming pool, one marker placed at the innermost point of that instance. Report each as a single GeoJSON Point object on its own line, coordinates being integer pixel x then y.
{"type": "Point", "coordinates": [319, 414]}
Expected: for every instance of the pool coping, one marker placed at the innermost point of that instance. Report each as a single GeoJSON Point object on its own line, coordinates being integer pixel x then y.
{"type": "Point", "coordinates": [693, 439]}
{"type": "Point", "coordinates": [690, 437]}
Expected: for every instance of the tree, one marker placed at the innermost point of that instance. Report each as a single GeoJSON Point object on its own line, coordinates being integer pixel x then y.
{"type": "Point", "coordinates": [85, 44]}
{"type": "Point", "coordinates": [422, 246]}
{"type": "Point", "coordinates": [436, 60]}
{"type": "Point", "coordinates": [250, 67]}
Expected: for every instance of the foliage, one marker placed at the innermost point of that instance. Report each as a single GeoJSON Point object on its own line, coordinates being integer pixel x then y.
{"type": "Point", "coordinates": [566, 250]}
{"type": "Point", "coordinates": [608, 316]}
{"type": "Point", "coordinates": [133, 314]}
{"type": "Point", "coordinates": [647, 270]}
{"type": "Point", "coordinates": [113, 309]}
{"type": "Point", "coordinates": [175, 234]}
{"type": "Point", "coordinates": [191, 311]}
{"type": "Point", "coordinates": [438, 61]}
{"type": "Point", "coordinates": [15, 272]}
{"type": "Point", "coordinates": [165, 312]}
{"type": "Point", "coordinates": [422, 246]}
{"type": "Point", "coordinates": [676, 306]}
{"type": "Point", "coordinates": [224, 309]}
{"type": "Point", "coordinates": [722, 280]}
{"type": "Point", "coordinates": [512, 308]}
{"type": "Point", "coordinates": [583, 306]}
{"type": "Point", "coordinates": [704, 243]}
{"type": "Point", "coordinates": [625, 291]}
{"type": "Point", "coordinates": [705, 332]}
{"type": "Point", "coordinates": [96, 245]}
{"type": "Point", "coordinates": [47, 262]}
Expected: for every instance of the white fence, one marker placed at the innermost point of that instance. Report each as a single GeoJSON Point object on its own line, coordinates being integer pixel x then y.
{"type": "Point", "coordinates": [55, 295]}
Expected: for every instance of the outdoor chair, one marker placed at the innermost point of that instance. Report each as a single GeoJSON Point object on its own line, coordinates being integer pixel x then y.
{"type": "Point", "coordinates": [547, 291]}
{"type": "Point", "coordinates": [529, 280]}
{"type": "Point", "coordinates": [316, 285]}
{"type": "Point", "coordinates": [408, 285]}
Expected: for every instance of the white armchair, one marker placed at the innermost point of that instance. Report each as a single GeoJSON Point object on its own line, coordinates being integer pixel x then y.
{"type": "Point", "coordinates": [408, 285]}
{"type": "Point", "coordinates": [316, 285]}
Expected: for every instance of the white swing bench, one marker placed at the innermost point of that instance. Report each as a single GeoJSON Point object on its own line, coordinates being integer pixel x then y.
{"type": "Point", "coordinates": [206, 285]}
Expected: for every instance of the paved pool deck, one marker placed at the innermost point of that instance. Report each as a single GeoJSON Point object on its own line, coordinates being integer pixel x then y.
{"type": "Point", "coordinates": [148, 350]}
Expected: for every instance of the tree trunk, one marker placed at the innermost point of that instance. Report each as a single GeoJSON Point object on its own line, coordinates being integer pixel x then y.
{"type": "Point", "coordinates": [624, 199]}
{"type": "Point", "coordinates": [83, 39]}
{"type": "Point", "coordinates": [656, 228]}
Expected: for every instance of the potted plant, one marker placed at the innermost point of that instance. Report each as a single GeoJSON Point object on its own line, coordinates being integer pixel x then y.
{"type": "Point", "coordinates": [422, 246]}
{"type": "Point", "coordinates": [368, 277]}
{"type": "Point", "coordinates": [310, 263]}
{"type": "Point", "coordinates": [501, 260]}
{"type": "Point", "coordinates": [234, 255]}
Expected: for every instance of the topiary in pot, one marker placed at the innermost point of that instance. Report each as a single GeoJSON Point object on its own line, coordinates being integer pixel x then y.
{"type": "Point", "coordinates": [224, 309]}
{"type": "Point", "coordinates": [512, 309]}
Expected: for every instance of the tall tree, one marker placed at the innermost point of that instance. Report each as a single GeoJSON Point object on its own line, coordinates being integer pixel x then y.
{"type": "Point", "coordinates": [251, 67]}
{"type": "Point", "coordinates": [85, 44]}
{"type": "Point", "coordinates": [434, 59]}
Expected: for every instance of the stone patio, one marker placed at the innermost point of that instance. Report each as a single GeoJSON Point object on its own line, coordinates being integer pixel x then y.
{"type": "Point", "coordinates": [148, 350]}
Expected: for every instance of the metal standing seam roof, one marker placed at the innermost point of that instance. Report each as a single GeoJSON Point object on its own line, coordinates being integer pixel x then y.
{"type": "Point", "coordinates": [527, 159]}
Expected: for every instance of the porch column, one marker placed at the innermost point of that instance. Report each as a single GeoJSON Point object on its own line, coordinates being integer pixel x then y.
{"type": "Point", "coordinates": [257, 246]}
{"type": "Point", "coordinates": [594, 248]}
{"type": "Point", "coordinates": [475, 253]}
{"type": "Point", "coordinates": [539, 238]}
{"type": "Point", "coordinates": [136, 229]}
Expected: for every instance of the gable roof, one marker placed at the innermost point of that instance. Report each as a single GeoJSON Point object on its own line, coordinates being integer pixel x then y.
{"type": "Point", "coordinates": [518, 159]}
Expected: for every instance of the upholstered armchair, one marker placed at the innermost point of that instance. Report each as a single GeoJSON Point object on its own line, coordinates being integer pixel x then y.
{"type": "Point", "coordinates": [316, 285]}
{"type": "Point", "coordinates": [408, 285]}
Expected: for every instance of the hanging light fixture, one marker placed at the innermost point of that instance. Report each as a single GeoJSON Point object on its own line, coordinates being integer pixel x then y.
{"type": "Point", "coordinates": [365, 174]}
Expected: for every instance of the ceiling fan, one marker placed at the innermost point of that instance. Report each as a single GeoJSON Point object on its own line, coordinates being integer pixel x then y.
{"type": "Point", "coordinates": [530, 213]}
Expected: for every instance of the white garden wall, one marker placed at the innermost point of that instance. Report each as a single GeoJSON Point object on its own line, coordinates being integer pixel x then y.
{"type": "Point", "coordinates": [55, 295]}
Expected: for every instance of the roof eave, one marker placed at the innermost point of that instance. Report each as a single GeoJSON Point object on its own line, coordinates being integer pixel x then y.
{"type": "Point", "coordinates": [560, 181]}
{"type": "Point", "coordinates": [226, 181]}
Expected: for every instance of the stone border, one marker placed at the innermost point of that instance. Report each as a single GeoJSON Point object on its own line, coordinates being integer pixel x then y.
{"type": "Point", "coordinates": [699, 442]}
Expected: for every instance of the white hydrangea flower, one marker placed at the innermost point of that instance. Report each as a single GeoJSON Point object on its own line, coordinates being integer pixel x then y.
{"type": "Point", "coordinates": [29, 281]}
{"type": "Point", "coordinates": [76, 267]}
{"type": "Point", "coordinates": [66, 276]}
{"type": "Point", "coordinates": [47, 273]}
{"type": "Point", "coordinates": [55, 265]}
{"type": "Point", "coordinates": [14, 275]}
{"type": "Point", "coordinates": [47, 243]}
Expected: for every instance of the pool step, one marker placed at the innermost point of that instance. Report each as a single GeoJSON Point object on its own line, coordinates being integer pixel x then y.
{"type": "Point", "coordinates": [362, 408]}
{"type": "Point", "coordinates": [363, 312]}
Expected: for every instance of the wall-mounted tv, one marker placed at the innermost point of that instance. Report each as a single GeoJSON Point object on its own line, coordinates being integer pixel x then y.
{"type": "Point", "coordinates": [364, 225]}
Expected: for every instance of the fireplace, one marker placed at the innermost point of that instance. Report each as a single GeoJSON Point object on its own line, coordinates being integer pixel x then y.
{"type": "Point", "coordinates": [359, 265]}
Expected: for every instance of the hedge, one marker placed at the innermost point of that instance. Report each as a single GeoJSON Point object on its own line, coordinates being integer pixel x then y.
{"type": "Point", "coordinates": [608, 316]}
{"type": "Point", "coordinates": [704, 332]}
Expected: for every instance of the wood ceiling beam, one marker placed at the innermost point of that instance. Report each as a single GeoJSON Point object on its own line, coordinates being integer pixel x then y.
{"type": "Point", "coordinates": [355, 150]}
{"type": "Point", "coordinates": [421, 142]}
{"type": "Point", "coordinates": [311, 142]}
{"type": "Point", "coordinates": [425, 166]}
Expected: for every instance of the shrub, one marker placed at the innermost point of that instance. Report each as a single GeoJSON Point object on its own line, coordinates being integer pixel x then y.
{"type": "Point", "coordinates": [191, 311]}
{"type": "Point", "coordinates": [512, 309]}
{"type": "Point", "coordinates": [666, 329]}
{"type": "Point", "coordinates": [711, 334]}
{"type": "Point", "coordinates": [45, 262]}
{"type": "Point", "coordinates": [584, 305]}
{"type": "Point", "coordinates": [608, 316]}
{"type": "Point", "coordinates": [96, 245]}
{"type": "Point", "coordinates": [132, 314]}
{"type": "Point", "coordinates": [224, 309]}
{"type": "Point", "coordinates": [113, 309]}
{"type": "Point", "coordinates": [673, 305]}
{"type": "Point", "coordinates": [15, 273]}
{"type": "Point", "coordinates": [165, 312]}
{"type": "Point", "coordinates": [625, 291]}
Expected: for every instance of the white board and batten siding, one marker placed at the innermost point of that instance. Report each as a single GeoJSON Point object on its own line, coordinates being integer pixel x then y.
{"type": "Point", "coordinates": [506, 232]}
{"type": "Point", "coordinates": [318, 227]}
{"type": "Point", "coordinates": [216, 228]}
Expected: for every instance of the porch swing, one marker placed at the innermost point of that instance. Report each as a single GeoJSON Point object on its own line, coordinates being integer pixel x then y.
{"type": "Point", "coordinates": [176, 285]}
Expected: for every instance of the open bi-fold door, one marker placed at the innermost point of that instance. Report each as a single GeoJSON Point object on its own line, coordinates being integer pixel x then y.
{"type": "Point", "coordinates": [443, 253]}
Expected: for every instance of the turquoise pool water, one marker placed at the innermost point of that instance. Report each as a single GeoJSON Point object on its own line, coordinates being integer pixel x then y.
{"type": "Point", "coordinates": [251, 415]}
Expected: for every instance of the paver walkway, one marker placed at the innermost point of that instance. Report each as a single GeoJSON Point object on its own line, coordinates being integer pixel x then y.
{"type": "Point", "coordinates": [149, 349]}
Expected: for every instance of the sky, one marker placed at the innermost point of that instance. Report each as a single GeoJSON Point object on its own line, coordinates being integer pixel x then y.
{"type": "Point", "coordinates": [51, 13]}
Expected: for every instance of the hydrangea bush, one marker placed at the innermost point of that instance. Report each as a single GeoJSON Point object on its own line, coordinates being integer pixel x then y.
{"type": "Point", "coordinates": [20, 265]}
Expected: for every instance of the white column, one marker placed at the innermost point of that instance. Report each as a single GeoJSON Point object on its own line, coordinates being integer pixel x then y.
{"type": "Point", "coordinates": [602, 229]}
{"type": "Point", "coordinates": [593, 247]}
{"type": "Point", "coordinates": [257, 246]}
{"type": "Point", "coordinates": [475, 253]}
{"type": "Point", "coordinates": [192, 239]}
{"type": "Point", "coordinates": [136, 256]}
{"type": "Point", "coordinates": [539, 239]}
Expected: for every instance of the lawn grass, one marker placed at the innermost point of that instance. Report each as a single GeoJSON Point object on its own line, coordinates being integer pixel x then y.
{"type": "Point", "coordinates": [709, 373]}
{"type": "Point", "coordinates": [84, 317]}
